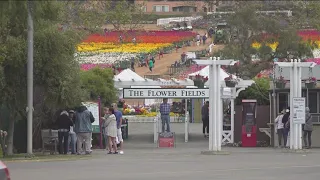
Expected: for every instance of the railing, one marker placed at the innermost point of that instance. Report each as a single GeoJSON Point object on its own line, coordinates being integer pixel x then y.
{"type": "Point", "coordinates": [172, 70]}
{"type": "Point", "coordinates": [316, 118]}
{"type": "Point", "coordinates": [153, 76]}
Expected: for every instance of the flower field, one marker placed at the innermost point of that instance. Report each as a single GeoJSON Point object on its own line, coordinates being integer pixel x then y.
{"type": "Point", "coordinates": [306, 35]}
{"type": "Point", "coordinates": [107, 50]}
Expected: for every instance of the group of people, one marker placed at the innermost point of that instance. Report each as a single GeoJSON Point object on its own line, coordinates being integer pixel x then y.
{"type": "Point", "coordinates": [283, 127]}
{"type": "Point", "coordinates": [75, 129]}
{"type": "Point", "coordinates": [78, 126]}
{"type": "Point", "coordinates": [200, 38]}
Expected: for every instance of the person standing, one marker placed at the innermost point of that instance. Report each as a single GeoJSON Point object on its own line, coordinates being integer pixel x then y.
{"type": "Point", "coordinates": [280, 128]}
{"type": "Point", "coordinates": [72, 134]}
{"type": "Point", "coordinates": [83, 128]}
{"type": "Point", "coordinates": [286, 124]}
{"type": "Point", "coordinates": [307, 129]}
{"type": "Point", "coordinates": [165, 109]}
{"type": "Point", "coordinates": [111, 131]}
{"type": "Point", "coordinates": [64, 124]}
{"type": "Point", "coordinates": [118, 115]}
{"type": "Point", "coordinates": [132, 64]}
{"type": "Point", "coordinates": [205, 119]}
{"type": "Point", "coordinates": [103, 127]}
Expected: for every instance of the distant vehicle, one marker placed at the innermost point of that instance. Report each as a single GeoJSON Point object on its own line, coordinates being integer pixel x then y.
{"type": "Point", "coordinates": [4, 172]}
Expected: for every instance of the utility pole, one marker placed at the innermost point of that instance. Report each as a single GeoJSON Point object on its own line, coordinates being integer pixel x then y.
{"type": "Point", "coordinates": [30, 79]}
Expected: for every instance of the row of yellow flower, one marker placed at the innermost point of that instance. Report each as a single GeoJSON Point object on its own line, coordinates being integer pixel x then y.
{"type": "Point", "coordinates": [126, 48]}
{"type": "Point", "coordinates": [274, 45]}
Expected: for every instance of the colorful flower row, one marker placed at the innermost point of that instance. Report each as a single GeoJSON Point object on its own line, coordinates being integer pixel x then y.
{"type": "Point", "coordinates": [121, 48]}
{"type": "Point", "coordinates": [142, 37]}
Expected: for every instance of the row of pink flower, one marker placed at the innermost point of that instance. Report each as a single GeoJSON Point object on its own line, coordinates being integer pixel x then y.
{"type": "Point", "coordinates": [316, 60]}
{"type": "Point", "coordinates": [151, 33]}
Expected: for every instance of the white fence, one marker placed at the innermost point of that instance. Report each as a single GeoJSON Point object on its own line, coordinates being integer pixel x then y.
{"type": "Point", "coordinates": [164, 21]}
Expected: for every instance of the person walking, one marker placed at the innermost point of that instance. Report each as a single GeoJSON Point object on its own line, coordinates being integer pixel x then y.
{"type": "Point", "coordinates": [64, 123]}
{"type": "Point", "coordinates": [165, 109]}
{"type": "Point", "coordinates": [118, 116]}
{"type": "Point", "coordinates": [307, 129]}
{"type": "Point", "coordinates": [280, 128]}
{"type": "Point", "coordinates": [111, 131]}
{"type": "Point", "coordinates": [204, 38]}
{"type": "Point", "coordinates": [150, 65]}
{"type": "Point", "coordinates": [72, 134]}
{"type": "Point", "coordinates": [205, 119]}
{"type": "Point", "coordinates": [83, 129]}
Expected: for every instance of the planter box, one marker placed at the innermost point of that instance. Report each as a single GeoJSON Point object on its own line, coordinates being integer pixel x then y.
{"type": "Point", "coordinates": [230, 84]}
{"type": "Point", "coordinates": [310, 85]}
{"type": "Point", "coordinates": [280, 85]}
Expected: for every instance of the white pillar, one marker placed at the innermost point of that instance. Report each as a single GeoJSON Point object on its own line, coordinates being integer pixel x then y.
{"type": "Point", "coordinates": [211, 107]}
{"type": "Point", "coordinates": [295, 95]}
{"type": "Point", "coordinates": [219, 109]}
{"type": "Point", "coordinates": [232, 118]}
{"type": "Point", "coordinates": [155, 130]}
{"type": "Point", "coordinates": [291, 104]}
{"type": "Point", "coordinates": [299, 93]}
{"type": "Point", "coordinates": [186, 123]}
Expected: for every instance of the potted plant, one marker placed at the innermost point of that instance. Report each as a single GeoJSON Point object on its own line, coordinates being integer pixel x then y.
{"type": "Point", "coordinates": [199, 81]}
{"type": "Point", "coordinates": [311, 82]}
{"type": "Point", "coordinates": [230, 81]}
{"type": "Point", "coordinates": [280, 82]}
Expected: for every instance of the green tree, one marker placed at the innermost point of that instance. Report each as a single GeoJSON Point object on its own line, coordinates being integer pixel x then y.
{"type": "Point", "coordinates": [56, 72]}
{"type": "Point", "coordinates": [247, 27]}
{"type": "Point", "coordinates": [97, 83]}
{"type": "Point", "coordinates": [258, 91]}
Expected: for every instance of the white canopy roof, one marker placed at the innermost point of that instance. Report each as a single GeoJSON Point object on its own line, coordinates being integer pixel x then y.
{"type": "Point", "coordinates": [205, 72]}
{"type": "Point", "coordinates": [129, 75]}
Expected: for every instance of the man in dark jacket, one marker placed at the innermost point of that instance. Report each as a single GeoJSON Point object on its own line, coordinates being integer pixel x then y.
{"type": "Point", "coordinates": [205, 119]}
{"type": "Point", "coordinates": [83, 128]}
{"type": "Point", "coordinates": [63, 123]}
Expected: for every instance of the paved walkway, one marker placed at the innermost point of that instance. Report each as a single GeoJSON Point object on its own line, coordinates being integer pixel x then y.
{"type": "Point", "coordinates": [142, 161]}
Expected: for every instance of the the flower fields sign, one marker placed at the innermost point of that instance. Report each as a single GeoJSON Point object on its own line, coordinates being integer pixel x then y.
{"type": "Point", "coordinates": [155, 93]}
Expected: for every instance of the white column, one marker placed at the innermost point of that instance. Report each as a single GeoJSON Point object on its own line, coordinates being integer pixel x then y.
{"type": "Point", "coordinates": [299, 94]}
{"type": "Point", "coordinates": [211, 107]}
{"type": "Point", "coordinates": [232, 118]}
{"type": "Point", "coordinates": [186, 123]}
{"type": "Point", "coordinates": [295, 90]}
{"type": "Point", "coordinates": [155, 130]}
{"type": "Point", "coordinates": [219, 109]}
{"type": "Point", "coordinates": [291, 104]}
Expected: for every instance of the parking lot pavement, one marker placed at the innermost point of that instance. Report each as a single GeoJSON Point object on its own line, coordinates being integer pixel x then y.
{"type": "Point", "coordinates": [143, 161]}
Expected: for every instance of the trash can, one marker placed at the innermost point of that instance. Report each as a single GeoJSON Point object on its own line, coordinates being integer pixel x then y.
{"type": "Point", "coordinates": [124, 128]}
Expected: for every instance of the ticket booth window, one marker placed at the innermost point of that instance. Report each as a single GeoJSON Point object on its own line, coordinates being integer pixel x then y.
{"type": "Point", "coordinates": [283, 100]}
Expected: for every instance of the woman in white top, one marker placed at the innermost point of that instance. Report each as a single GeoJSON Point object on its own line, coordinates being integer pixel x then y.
{"type": "Point", "coordinates": [280, 128]}
{"type": "Point", "coordinates": [111, 131]}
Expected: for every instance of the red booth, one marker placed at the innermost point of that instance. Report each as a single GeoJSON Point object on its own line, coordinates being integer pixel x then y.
{"type": "Point", "coordinates": [249, 123]}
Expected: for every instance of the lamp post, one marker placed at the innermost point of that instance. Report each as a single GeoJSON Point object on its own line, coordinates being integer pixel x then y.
{"type": "Point", "coordinates": [215, 101]}
{"type": "Point", "coordinates": [30, 79]}
{"type": "Point", "coordinates": [295, 91]}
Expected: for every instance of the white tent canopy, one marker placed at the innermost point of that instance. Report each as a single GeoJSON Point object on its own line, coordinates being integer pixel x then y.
{"type": "Point", "coordinates": [128, 75]}
{"type": "Point", "coordinates": [205, 72]}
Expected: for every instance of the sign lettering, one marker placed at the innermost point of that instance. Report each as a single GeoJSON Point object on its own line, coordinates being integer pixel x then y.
{"type": "Point", "coordinates": [165, 93]}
